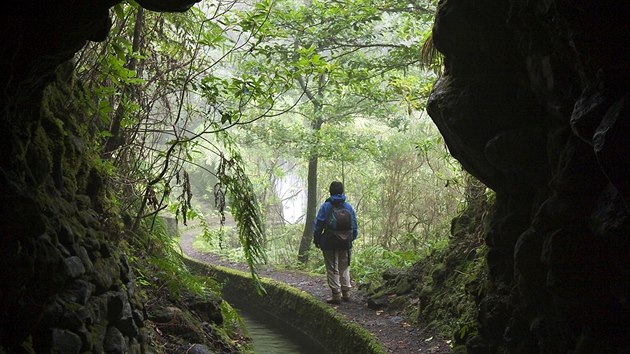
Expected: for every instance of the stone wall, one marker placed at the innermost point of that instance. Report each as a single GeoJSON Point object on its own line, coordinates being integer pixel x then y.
{"type": "Point", "coordinates": [65, 288]}
{"type": "Point", "coordinates": [534, 102]}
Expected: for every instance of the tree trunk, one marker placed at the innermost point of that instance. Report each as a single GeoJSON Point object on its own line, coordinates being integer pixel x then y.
{"type": "Point", "coordinates": [311, 195]}
{"type": "Point", "coordinates": [311, 210]}
{"type": "Point", "coordinates": [116, 139]}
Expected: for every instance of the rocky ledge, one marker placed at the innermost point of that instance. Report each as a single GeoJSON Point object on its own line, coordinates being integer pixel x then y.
{"type": "Point", "coordinates": [534, 102]}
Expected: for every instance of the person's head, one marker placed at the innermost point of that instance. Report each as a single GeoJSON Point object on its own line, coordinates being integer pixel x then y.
{"type": "Point", "coordinates": [336, 187]}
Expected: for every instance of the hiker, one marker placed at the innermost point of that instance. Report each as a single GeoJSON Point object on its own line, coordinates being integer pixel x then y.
{"type": "Point", "coordinates": [335, 229]}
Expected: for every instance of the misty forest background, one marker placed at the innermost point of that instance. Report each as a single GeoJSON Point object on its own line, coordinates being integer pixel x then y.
{"type": "Point", "coordinates": [234, 117]}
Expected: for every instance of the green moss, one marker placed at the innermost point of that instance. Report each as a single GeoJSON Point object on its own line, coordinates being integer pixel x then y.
{"type": "Point", "coordinates": [397, 302]}
{"type": "Point", "coordinates": [66, 151]}
{"type": "Point", "coordinates": [438, 273]}
{"type": "Point", "coordinates": [449, 301]}
{"type": "Point", "coordinates": [38, 156]}
{"type": "Point", "coordinates": [403, 286]}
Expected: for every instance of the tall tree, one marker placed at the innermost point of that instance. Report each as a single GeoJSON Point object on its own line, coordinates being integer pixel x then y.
{"type": "Point", "coordinates": [348, 59]}
{"type": "Point", "coordinates": [313, 158]}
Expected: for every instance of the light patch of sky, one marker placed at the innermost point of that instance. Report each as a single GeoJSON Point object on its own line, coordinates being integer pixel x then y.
{"type": "Point", "coordinates": [290, 189]}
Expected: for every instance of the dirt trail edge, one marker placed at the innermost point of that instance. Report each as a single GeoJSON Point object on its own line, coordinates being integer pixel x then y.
{"type": "Point", "coordinates": [396, 335]}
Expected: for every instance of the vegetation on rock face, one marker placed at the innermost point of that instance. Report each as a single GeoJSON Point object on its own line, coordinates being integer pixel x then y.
{"type": "Point", "coordinates": [116, 277]}
{"type": "Point", "coordinates": [538, 110]}
{"type": "Point", "coordinates": [441, 290]}
{"type": "Point", "coordinates": [183, 310]}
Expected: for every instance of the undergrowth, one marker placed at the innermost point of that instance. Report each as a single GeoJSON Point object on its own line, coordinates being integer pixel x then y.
{"type": "Point", "coordinates": [368, 262]}
{"type": "Point", "coordinates": [439, 292]}
{"type": "Point", "coordinates": [165, 281]}
{"type": "Point", "coordinates": [157, 260]}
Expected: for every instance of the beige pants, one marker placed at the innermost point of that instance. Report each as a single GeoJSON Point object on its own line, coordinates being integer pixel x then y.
{"type": "Point", "coordinates": [337, 270]}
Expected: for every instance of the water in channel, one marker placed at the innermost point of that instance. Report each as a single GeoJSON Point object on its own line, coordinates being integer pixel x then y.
{"type": "Point", "coordinates": [271, 336]}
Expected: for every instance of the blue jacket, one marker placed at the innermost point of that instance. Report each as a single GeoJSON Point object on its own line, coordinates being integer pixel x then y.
{"type": "Point", "coordinates": [322, 215]}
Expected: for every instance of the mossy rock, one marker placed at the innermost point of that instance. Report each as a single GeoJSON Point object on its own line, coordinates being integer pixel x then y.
{"type": "Point", "coordinates": [397, 302]}
{"type": "Point", "coordinates": [38, 156]}
{"type": "Point", "coordinates": [439, 273]}
{"type": "Point", "coordinates": [403, 286]}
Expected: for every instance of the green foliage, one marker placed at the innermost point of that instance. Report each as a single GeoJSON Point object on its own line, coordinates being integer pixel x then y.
{"type": "Point", "coordinates": [157, 263]}
{"type": "Point", "coordinates": [369, 263]}
{"type": "Point", "coordinates": [449, 279]}
{"type": "Point", "coordinates": [282, 246]}
{"type": "Point", "coordinates": [244, 206]}
{"type": "Point", "coordinates": [406, 190]}
{"type": "Point", "coordinates": [170, 88]}
{"type": "Point", "coordinates": [291, 81]}
{"type": "Point", "coordinates": [346, 59]}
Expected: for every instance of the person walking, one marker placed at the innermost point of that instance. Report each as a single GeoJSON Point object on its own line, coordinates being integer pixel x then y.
{"type": "Point", "coordinates": [335, 230]}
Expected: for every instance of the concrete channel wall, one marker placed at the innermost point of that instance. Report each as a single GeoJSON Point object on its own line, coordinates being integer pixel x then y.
{"type": "Point", "coordinates": [295, 307]}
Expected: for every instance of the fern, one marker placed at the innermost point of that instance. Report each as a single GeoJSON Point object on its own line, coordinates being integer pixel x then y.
{"type": "Point", "coordinates": [161, 261]}
{"type": "Point", "coordinates": [244, 206]}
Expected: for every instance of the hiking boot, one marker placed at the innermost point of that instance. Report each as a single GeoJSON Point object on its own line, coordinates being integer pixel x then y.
{"type": "Point", "coordinates": [335, 299]}
{"type": "Point", "coordinates": [345, 297]}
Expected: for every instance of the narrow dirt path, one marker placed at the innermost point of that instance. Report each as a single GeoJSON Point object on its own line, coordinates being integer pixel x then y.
{"type": "Point", "coordinates": [397, 336]}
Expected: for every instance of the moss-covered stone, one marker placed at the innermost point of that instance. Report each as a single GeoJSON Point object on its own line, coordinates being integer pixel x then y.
{"type": "Point", "coordinates": [38, 156]}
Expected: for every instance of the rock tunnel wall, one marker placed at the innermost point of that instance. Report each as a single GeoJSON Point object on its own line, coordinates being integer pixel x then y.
{"type": "Point", "coordinates": [64, 286]}
{"type": "Point", "coordinates": [534, 102]}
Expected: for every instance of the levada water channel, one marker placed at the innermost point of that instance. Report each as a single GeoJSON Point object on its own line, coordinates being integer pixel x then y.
{"type": "Point", "coordinates": [286, 320]}
{"type": "Point", "coordinates": [271, 335]}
